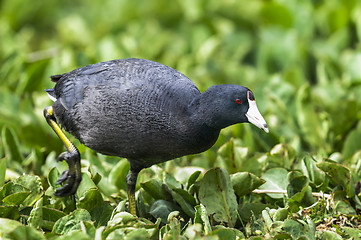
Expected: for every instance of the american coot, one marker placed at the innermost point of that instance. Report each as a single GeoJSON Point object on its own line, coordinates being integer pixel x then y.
{"type": "Point", "coordinates": [143, 111]}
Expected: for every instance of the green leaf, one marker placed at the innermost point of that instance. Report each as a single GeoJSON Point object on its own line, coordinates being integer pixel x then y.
{"type": "Point", "coordinates": [217, 195]}
{"type": "Point", "coordinates": [201, 217]}
{"type": "Point", "coordinates": [245, 182]}
{"type": "Point", "coordinates": [352, 143]}
{"type": "Point", "coordinates": [340, 175]}
{"type": "Point", "coordinates": [90, 199]}
{"type": "Point", "coordinates": [192, 179]}
{"type": "Point", "coordinates": [154, 188]}
{"type": "Point", "coordinates": [36, 215]}
{"type": "Point", "coordinates": [50, 216]}
{"type": "Point", "coordinates": [11, 212]}
{"type": "Point", "coordinates": [71, 222]}
{"type": "Point", "coordinates": [2, 171]}
{"type": "Point", "coordinates": [118, 174]}
{"type": "Point", "coordinates": [8, 225]}
{"type": "Point", "coordinates": [85, 185]}
{"type": "Point", "coordinates": [276, 179]}
{"type": "Point", "coordinates": [248, 210]}
{"type": "Point", "coordinates": [25, 232]}
{"type": "Point", "coordinates": [33, 183]}
{"type": "Point", "coordinates": [185, 201]}
{"type": "Point", "coordinates": [11, 145]}
{"type": "Point", "coordinates": [161, 209]}
{"type": "Point", "coordinates": [13, 194]}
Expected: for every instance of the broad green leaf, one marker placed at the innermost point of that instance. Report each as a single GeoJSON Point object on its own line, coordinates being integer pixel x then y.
{"type": "Point", "coordinates": [192, 179]}
{"type": "Point", "coordinates": [121, 218]}
{"type": "Point", "coordinates": [85, 185]}
{"type": "Point", "coordinates": [352, 143]}
{"type": "Point", "coordinates": [276, 179]}
{"type": "Point", "coordinates": [245, 182]}
{"type": "Point", "coordinates": [13, 194]}
{"type": "Point", "coordinates": [247, 210]}
{"type": "Point", "coordinates": [201, 217]}
{"type": "Point", "coordinates": [8, 225]}
{"type": "Point", "coordinates": [154, 188]}
{"type": "Point", "coordinates": [309, 169]}
{"type": "Point", "coordinates": [36, 215]}
{"type": "Point", "coordinates": [184, 200]}
{"type": "Point", "coordinates": [25, 232]}
{"type": "Point", "coordinates": [2, 171]}
{"type": "Point", "coordinates": [71, 222]}
{"type": "Point", "coordinates": [161, 209]}
{"type": "Point", "coordinates": [33, 183]}
{"type": "Point", "coordinates": [11, 145]}
{"type": "Point", "coordinates": [50, 216]}
{"type": "Point", "coordinates": [118, 174]}
{"type": "Point", "coordinates": [9, 212]}
{"type": "Point", "coordinates": [90, 199]}
{"type": "Point", "coordinates": [101, 214]}
{"type": "Point", "coordinates": [217, 195]}
{"type": "Point", "coordinates": [340, 175]}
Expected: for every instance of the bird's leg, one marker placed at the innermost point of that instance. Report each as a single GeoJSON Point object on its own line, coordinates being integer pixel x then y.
{"type": "Point", "coordinates": [131, 183]}
{"type": "Point", "coordinates": [71, 177]}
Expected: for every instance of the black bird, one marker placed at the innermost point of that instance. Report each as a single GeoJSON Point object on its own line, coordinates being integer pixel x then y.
{"type": "Point", "coordinates": [143, 111]}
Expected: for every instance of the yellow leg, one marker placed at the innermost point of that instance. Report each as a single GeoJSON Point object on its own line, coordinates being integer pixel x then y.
{"type": "Point", "coordinates": [131, 182]}
{"type": "Point", "coordinates": [72, 157]}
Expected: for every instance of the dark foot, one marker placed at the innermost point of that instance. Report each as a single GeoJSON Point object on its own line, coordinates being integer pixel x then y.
{"type": "Point", "coordinates": [71, 177]}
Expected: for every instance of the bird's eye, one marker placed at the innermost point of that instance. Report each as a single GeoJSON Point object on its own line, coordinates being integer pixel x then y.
{"type": "Point", "coordinates": [239, 101]}
{"type": "Point", "coordinates": [250, 96]}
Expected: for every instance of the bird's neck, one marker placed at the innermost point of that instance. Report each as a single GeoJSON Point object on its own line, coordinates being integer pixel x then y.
{"type": "Point", "coordinates": [205, 109]}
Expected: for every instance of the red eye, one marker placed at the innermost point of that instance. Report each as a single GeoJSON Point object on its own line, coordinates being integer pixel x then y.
{"type": "Point", "coordinates": [239, 101]}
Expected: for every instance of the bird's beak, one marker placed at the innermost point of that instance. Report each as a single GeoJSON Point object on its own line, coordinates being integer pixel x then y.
{"type": "Point", "coordinates": [254, 116]}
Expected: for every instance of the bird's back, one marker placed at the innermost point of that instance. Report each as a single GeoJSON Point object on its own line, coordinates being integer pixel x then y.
{"type": "Point", "coordinates": [131, 108]}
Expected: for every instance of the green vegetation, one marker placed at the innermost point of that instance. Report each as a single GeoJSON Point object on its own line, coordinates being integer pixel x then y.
{"type": "Point", "coordinates": [302, 60]}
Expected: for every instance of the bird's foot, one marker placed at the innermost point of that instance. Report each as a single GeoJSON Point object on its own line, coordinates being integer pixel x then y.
{"type": "Point", "coordinates": [71, 177]}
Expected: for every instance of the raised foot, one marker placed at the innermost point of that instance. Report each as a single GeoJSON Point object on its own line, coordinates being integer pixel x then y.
{"type": "Point", "coordinates": [71, 177]}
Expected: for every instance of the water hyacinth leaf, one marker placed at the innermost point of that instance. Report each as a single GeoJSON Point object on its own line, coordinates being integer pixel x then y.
{"type": "Point", "coordinates": [307, 118]}
{"type": "Point", "coordinates": [217, 195]}
{"type": "Point", "coordinates": [154, 188]}
{"type": "Point", "coordinates": [180, 197]}
{"type": "Point", "coordinates": [121, 218]}
{"type": "Point", "coordinates": [118, 174]}
{"type": "Point", "coordinates": [13, 194]}
{"type": "Point", "coordinates": [344, 208]}
{"type": "Point", "coordinates": [281, 155]}
{"type": "Point", "coordinates": [245, 182]}
{"type": "Point", "coordinates": [36, 215]}
{"type": "Point", "coordinates": [161, 209]}
{"type": "Point", "coordinates": [90, 199]}
{"type": "Point", "coordinates": [85, 185]}
{"type": "Point", "coordinates": [276, 179]}
{"type": "Point", "coordinates": [11, 145]}
{"type": "Point", "coordinates": [192, 179]}
{"type": "Point", "coordinates": [25, 232]}
{"type": "Point", "coordinates": [2, 171]}
{"type": "Point", "coordinates": [340, 175]}
{"type": "Point", "coordinates": [225, 233]}
{"type": "Point", "coordinates": [230, 155]}
{"type": "Point", "coordinates": [313, 173]}
{"type": "Point", "coordinates": [352, 143]}
{"type": "Point", "coordinates": [50, 216]}
{"type": "Point", "coordinates": [53, 176]}
{"type": "Point", "coordinates": [71, 222]}
{"type": "Point", "coordinates": [33, 183]}
{"type": "Point", "coordinates": [201, 217]}
{"type": "Point", "coordinates": [10, 212]}
{"type": "Point", "coordinates": [101, 214]}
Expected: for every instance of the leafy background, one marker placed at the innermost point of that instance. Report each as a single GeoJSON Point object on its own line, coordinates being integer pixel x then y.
{"type": "Point", "coordinates": [301, 59]}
